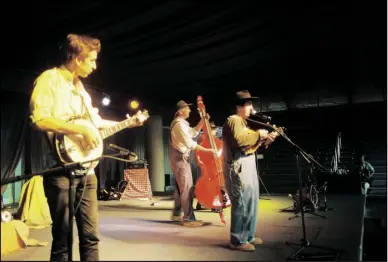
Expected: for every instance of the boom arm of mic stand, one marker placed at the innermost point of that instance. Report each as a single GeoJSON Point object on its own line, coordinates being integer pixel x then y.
{"type": "Point", "coordinates": [66, 166]}
{"type": "Point", "coordinates": [299, 150]}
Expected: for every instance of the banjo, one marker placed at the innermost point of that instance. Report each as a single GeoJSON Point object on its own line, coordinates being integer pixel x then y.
{"type": "Point", "coordinates": [72, 148]}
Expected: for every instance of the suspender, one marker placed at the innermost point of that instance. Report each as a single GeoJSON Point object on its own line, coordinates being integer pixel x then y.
{"type": "Point", "coordinates": [173, 123]}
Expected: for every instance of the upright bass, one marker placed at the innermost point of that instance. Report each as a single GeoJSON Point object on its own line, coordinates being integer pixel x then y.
{"type": "Point", "coordinates": [208, 187]}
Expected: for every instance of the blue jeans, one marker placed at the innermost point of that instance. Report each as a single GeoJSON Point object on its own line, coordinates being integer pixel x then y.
{"type": "Point", "coordinates": [243, 187]}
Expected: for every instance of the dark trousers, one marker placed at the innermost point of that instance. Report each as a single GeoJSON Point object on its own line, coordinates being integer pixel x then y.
{"type": "Point", "coordinates": [57, 193]}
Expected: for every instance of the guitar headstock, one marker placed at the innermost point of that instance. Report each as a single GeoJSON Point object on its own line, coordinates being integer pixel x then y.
{"type": "Point", "coordinates": [145, 113]}
{"type": "Point", "coordinates": [140, 116]}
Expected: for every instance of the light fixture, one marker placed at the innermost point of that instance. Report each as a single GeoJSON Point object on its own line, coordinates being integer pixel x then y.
{"type": "Point", "coordinates": [105, 99]}
{"type": "Point", "coordinates": [134, 104]}
{"type": "Point", "coordinates": [6, 216]}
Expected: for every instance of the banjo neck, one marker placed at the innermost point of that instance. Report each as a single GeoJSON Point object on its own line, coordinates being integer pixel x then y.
{"type": "Point", "coordinates": [107, 132]}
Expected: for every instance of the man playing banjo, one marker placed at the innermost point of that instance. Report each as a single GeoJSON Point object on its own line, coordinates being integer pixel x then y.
{"type": "Point", "coordinates": [58, 96]}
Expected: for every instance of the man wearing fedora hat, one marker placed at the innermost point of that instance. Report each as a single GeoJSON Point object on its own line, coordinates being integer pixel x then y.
{"type": "Point", "coordinates": [181, 145]}
{"type": "Point", "coordinates": [241, 174]}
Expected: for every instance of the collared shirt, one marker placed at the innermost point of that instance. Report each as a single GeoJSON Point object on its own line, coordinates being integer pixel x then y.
{"type": "Point", "coordinates": [236, 135]}
{"type": "Point", "coordinates": [56, 96]}
{"type": "Point", "coordinates": [182, 135]}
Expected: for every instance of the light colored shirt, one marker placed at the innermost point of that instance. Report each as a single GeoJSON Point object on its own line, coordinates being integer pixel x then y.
{"type": "Point", "coordinates": [182, 135]}
{"type": "Point", "coordinates": [56, 96]}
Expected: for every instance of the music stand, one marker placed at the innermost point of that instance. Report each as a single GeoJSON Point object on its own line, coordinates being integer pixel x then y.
{"type": "Point", "coordinates": [309, 158]}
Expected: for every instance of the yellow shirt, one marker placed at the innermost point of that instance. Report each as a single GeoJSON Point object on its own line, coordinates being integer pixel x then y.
{"type": "Point", "coordinates": [55, 96]}
{"type": "Point", "coordinates": [237, 135]}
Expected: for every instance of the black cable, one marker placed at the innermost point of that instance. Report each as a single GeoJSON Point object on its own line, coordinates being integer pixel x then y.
{"type": "Point", "coordinates": [83, 191]}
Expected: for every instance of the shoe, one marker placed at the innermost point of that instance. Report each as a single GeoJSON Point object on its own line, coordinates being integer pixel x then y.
{"type": "Point", "coordinates": [198, 207]}
{"type": "Point", "coordinates": [257, 241]}
{"type": "Point", "coordinates": [176, 218]}
{"type": "Point", "coordinates": [247, 247]}
{"type": "Point", "coordinates": [226, 200]}
{"type": "Point", "coordinates": [194, 223]}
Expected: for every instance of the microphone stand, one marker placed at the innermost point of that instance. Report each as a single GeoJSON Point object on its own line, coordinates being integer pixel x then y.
{"type": "Point", "coordinates": [309, 158]}
{"type": "Point", "coordinates": [70, 167]}
{"type": "Point", "coordinates": [258, 173]}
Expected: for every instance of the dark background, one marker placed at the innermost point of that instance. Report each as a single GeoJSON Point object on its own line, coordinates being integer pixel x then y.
{"type": "Point", "coordinates": [162, 51]}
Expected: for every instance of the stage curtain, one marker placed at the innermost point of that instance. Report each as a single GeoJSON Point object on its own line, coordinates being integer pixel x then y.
{"type": "Point", "coordinates": [14, 123]}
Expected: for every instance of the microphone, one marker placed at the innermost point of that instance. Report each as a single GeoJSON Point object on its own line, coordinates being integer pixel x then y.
{"type": "Point", "coordinates": [132, 156]}
{"type": "Point", "coordinates": [260, 115]}
{"type": "Point", "coordinates": [122, 150]}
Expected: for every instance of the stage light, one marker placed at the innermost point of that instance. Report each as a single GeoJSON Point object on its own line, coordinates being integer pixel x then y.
{"type": "Point", "coordinates": [134, 104]}
{"type": "Point", "coordinates": [105, 99]}
{"type": "Point", "coordinates": [6, 216]}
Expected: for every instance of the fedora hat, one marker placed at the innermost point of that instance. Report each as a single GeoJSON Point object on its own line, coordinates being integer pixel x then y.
{"type": "Point", "coordinates": [180, 105]}
{"type": "Point", "coordinates": [244, 95]}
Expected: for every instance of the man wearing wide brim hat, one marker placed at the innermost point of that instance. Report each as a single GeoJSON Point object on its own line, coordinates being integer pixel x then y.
{"type": "Point", "coordinates": [244, 96]}
{"type": "Point", "coordinates": [181, 145]}
{"type": "Point", "coordinates": [181, 105]}
{"type": "Point", "coordinates": [241, 174]}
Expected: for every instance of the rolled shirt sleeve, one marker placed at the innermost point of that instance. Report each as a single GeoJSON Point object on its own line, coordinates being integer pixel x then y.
{"type": "Point", "coordinates": [42, 98]}
{"type": "Point", "coordinates": [193, 132]}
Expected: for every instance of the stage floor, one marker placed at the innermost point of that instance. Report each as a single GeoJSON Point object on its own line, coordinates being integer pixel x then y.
{"type": "Point", "coordinates": [138, 230]}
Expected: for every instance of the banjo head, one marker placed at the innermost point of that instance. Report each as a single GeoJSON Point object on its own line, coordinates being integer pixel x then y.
{"type": "Point", "coordinates": [72, 148]}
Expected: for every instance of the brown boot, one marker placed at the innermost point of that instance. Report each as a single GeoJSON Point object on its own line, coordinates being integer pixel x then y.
{"type": "Point", "coordinates": [247, 247]}
{"type": "Point", "coordinates": [176, 218]}
{"type": "Point", "coordinates": [257, 241]}
{"type": "Point", "coordinates": [195, 223]}
{"type": "Point", "coordinates": [199, 206]}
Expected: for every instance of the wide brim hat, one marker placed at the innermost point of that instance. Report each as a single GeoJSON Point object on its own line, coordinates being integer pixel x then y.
{"type": "Point", "coordinates": [244, 95]}
{"type": "Point", "coordinates": [181, 104]}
